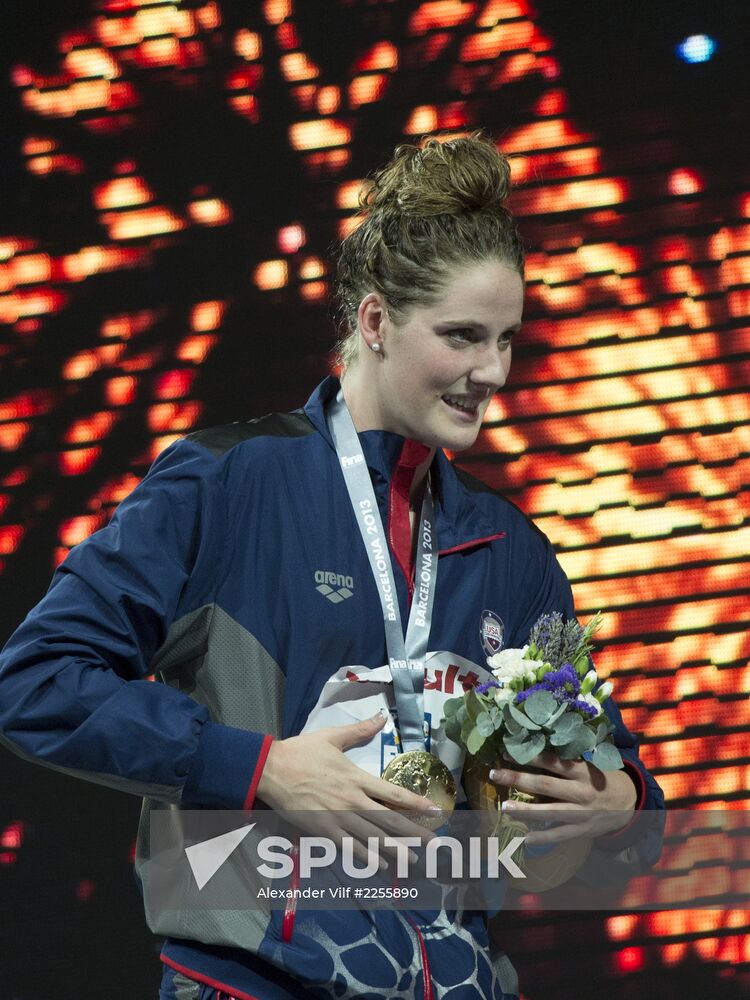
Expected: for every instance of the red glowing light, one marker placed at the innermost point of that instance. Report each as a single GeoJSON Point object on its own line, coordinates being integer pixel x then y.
{"type": "Point", "coordinates": [685, 181]}
{"type": "Point", "coordinates": [84, 890]}
{"type": "Point", "coordinates": [12, 835]}
{"type": "Point", "coordinates": [630, 959]}
{"type": "Point", "coordinates": [174, 384]}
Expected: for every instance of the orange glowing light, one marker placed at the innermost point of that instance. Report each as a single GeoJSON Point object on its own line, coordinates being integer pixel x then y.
{"type": "Point", "coordinates": [139, 223]}
{"type": "Point", "coordinates": [367, 89]}
{"type": "Point", "coordinates": [489, 45]}
{"type": "Point", "coordinates": [423, 119]}
{"type": "Point", "coordinates": [121, 390]}
{"type": "Point", "coordinates": [329, 100]}
{"type": "Point", "coordinates": [248, 44]}
{"type": "Point", "coordinates": [276, 11]}
{"type": "Point", "coordinates": [159, 52]}
{"type": "Point", "coordinates": [382, 55]}
{"type": "Point", "coordinates": [297, 67]}
{"type": "Point", "coordinates": [314, 291]}
{"type": "Point", "coordinates": [91, 62]}
{"type": "Point", "coordinates": [27, 269]}
{"type": "Point", "coordinates": [76, 463]}
{"type": "Point", "coordinates": [76, 529]}
{"type": "Point", "coordinates": [122, 192]}
{"type": "Point", "coordinates": [320, 134]}
{"type": "Point", "coordinates": [440, 14]}
{"type": "Point", "coordinates": [159, 444]}
{"type": "Point", "coordinates": [207, 315]}
{"type": "Point", "coordinates": [173, 416]}
{"type": "Point", "coordinates": [208, 16]}
{"type": "Point", "coordinates": [91, 428]}
{"type": "Point", "coordinates": [81, 366]}
{"type": "Point", "coordinates": [311, 267]}
{"type": "Point", "coordinates": [685, 182]}
{"type": "Point", "coordinates": [271, 274]}
{"type": "Point", "coordinates": [12, 435]}
{"type": "Point", "coordinates": [11, 536]}
{"type": "Point", "coordinates": [196, 349]}
{"type": "Point", "coordinates": [210, 212]}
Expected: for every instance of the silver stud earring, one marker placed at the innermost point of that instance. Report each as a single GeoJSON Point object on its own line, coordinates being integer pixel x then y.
{"type": "Point", "coordinates": [375, 347]}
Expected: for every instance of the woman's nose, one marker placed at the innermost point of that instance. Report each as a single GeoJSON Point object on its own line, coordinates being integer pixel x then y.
{"type": "Point", "coordinates": [493, 366]}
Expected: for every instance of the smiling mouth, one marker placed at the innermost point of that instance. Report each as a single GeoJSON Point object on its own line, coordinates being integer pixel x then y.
{"type": "Point", "coordinates": [466, 409]}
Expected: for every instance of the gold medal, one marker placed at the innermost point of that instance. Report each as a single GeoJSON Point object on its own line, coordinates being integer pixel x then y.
{"type": "Point", "coordinates": [423, 773]}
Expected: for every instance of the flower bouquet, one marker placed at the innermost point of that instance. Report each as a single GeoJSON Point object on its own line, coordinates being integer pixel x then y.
{"type": "Point", "coordinates": [545, 696]}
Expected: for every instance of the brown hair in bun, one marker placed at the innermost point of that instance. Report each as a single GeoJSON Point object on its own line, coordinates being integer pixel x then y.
{"type": "Point", "coordinates": [428, 210]}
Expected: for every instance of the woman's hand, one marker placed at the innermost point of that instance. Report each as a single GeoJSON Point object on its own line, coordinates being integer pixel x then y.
{"type": "Point", "coordinates": [310, 773]}
{"type": "Point", "coordinates": [583, 800]}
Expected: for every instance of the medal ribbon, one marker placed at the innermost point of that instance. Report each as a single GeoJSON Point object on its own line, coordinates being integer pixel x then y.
{"type": "Point", "coordinates": [405, 655]}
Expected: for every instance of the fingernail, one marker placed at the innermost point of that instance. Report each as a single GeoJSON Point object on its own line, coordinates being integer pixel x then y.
{"type": "Point", "coordinates": [494, 775]}
{"type": "Point", "coordinates": [507, 806]}
{"type": "Point", "coordinates": [378, 715]}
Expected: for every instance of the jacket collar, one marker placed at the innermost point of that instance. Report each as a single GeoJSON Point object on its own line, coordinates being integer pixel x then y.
{"type": "Point", "coordinates": [459, 519]}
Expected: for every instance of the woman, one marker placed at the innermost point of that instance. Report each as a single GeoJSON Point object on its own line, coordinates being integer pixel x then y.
{"type": "Point", "coordinates": [236, 574]}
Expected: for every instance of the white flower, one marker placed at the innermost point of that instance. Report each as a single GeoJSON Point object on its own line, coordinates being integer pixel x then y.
{"type": "Point", "coordinates": [592, 700]}
{"type": "Point", "coordinates": [588, 682]}
{"type": "Point", "coordinates": [509, 665]}
{"type": "Point", "coordinates": [502, 695]}
{"type": "Point", "coordinates": [604, 691]}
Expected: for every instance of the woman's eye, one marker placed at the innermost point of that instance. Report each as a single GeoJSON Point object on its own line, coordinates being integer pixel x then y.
{"type": "Point", "coordinates": [463, 336]}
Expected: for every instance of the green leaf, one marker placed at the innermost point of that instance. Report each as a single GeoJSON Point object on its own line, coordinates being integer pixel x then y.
{"type": "Point", "coordinates": [453, 730]}
{"type": "Point", "coordinates": [566, 729]}
{"type": "Point", "coordinates": [520, 717]}
{"type": "Point", "coordinates": [584, 740]}
{"type": "Point", "coordinates": [525, 751]}
{"type": "Point", "coordinates": [461, 715]}
{"type": "Point", "coordinates": [473, 705]}
{"type": "Point", "coordinates": [607, 757]}
{"type": "Point", "coordinates": [484, 724]}
{"type": "Point", "coordinates": [603, 729]}
{"type": "Point", "coordinates": [451, 706]}
{"type": "Point", "coordinates": [512, 727]}
{"type": "Point", "coordinates": [561, 710]}
{"type": "Point", "coordinates": [540, 706]}
{"type": "Point", "coordinates": [475, 741]}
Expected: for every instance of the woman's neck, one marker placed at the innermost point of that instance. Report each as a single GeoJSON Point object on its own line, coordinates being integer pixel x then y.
{"type": "Point", "coordinates": [366, 416]}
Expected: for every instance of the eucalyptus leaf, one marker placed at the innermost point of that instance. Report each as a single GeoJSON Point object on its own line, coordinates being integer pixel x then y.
{"type": "Point", "coordinates": [453, 729]}
{"type": "Point", "coordinates": [461, 715]}
{"type": "Point", "coordinates": [561, 710]}
{"type": "Point", "coordinates": [519, 716]}
{"type": "Point", "coordinates": [583, 741]}
{"type": "Point", "coordinates": [525, 751]}
{"type": "Point", "coordinates": [473, 705]}
{"type": "Point", "coordinates": [512, 727]}
{"type": "Point", "coordinates": [603, 729]}
{"type": "Point", "coordinates": [566, 731]}
{"type": "Point", "coordinates": [484, 725]}
{"type": "Point", "coordinates": [539, 706]}
{"type": "Point", "coordinates": [475, 741]}
{"type": "Point", "coordinates": [451, 706]}
{"type": "Point", "coordinates": [607, 757]}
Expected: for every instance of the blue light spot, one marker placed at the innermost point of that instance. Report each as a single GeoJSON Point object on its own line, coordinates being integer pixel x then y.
{"type": "Point", "coordinates": [696, 49]}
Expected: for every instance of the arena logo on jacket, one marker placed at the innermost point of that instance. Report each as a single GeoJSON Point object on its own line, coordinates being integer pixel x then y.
{"type": "Point", "coordinates": [335, 586]}
{"type": "Point", "coordinates": [491, 632]}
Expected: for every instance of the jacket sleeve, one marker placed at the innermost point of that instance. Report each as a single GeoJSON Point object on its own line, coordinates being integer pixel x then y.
{"type": "Point", "coordinates": [74, 688]}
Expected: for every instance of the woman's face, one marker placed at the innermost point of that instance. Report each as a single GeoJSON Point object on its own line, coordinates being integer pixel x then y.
{"type": "Point", "coordinates": [436, 372]}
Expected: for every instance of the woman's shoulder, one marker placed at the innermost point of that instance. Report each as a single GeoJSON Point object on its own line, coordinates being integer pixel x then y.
{"type": "Point", "coordinates": [266, 429]}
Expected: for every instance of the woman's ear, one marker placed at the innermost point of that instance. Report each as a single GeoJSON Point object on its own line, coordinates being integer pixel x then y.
{"type": "Point", "coordinates": [370, 316]}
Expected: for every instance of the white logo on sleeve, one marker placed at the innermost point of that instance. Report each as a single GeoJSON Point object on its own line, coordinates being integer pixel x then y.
{"type": "Point", "coordinates": [335, 586]}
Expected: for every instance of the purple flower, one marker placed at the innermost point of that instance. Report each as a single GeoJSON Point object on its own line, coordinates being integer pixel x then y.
{"type": "Point", "coordinates": [484, 688]}
{"type": "Point", "coordinates": [563, 683]}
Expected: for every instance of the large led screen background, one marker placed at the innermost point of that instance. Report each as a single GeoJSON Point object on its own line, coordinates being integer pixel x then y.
{"type": "Point", "coordinates": [174, 174]}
